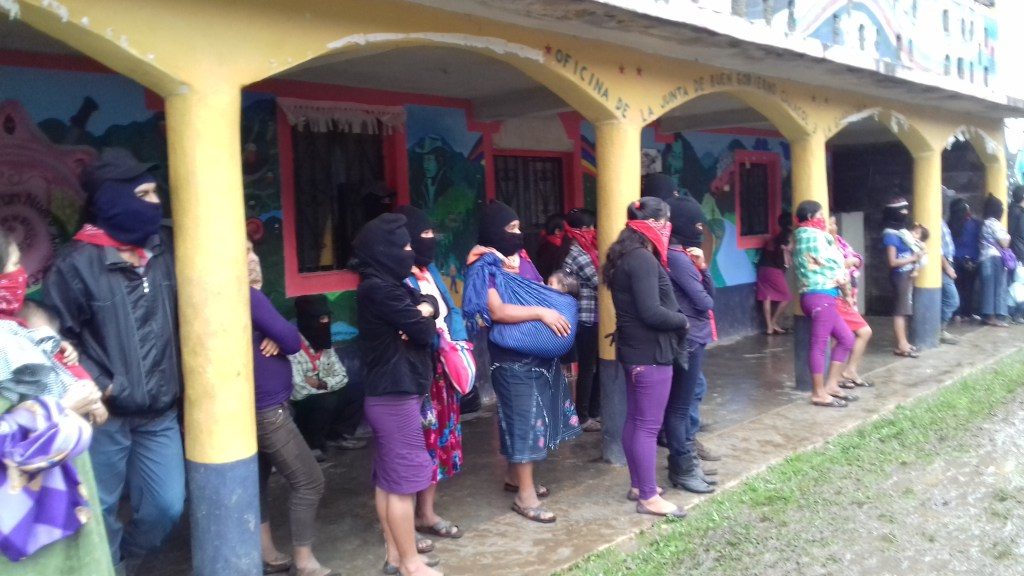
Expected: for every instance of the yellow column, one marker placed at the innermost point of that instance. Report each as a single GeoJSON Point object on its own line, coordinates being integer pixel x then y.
{"type": "Point", "coordinates": [927, 205]}
{"type": "Point", "coordinates": [204, 152]}
{"type": "Point", "coordinates": [618, 183]}
{"type": "Point", "coordinates": [809, 171]}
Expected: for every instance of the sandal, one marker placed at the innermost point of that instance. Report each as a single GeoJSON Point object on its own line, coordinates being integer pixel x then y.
{"type": "Point", "coordinates": [846, 397]}
{"type": "Point", "coordinates": [542, 491]}
{"type": "Point", "coordinates": [847, 384]}
{"type": "Point", "coordinates": [424, 545]}
{"type": "Point", "coordinates": [860, 382]}
{"type": "Point", "coordinates": [912, 353]}
{"type": "Point", "coordinates": [834, 403]}
{"type": "Point", "coordinates": [442, 528]}
{"type": "Point", "coordinates": [635, 496]}
{"type": "Point", "coordinates": [392, 570]}
{"type": "Point", "coordinates": [277, 567]}
{"type": "Point", "coordinates": [536, 513]}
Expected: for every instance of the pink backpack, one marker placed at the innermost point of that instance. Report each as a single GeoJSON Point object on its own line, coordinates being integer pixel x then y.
{"type": "Point", "coordinates": [458, 362]}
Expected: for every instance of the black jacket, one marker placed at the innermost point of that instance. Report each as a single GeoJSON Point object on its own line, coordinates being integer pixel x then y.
{"type": "Point", "coordinates": [123, 323]}
{"type": "Point", "coordinates": [393, 365]}
{"type": "Point", "coordinates": [650, 329]}
{"type": "Point", "coordinates": [1016, 230]}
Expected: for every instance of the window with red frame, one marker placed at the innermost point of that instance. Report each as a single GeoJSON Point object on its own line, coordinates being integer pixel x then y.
{"type": "Point", "coordinates": [757, 181]}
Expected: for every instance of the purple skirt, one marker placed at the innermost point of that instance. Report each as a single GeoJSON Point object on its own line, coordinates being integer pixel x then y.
{"type": "Point", "coordinates": [401, 464]}
{"type": "Point", "coordinates": [772, 285]}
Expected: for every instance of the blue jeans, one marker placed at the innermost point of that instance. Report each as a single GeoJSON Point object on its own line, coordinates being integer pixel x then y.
{"type": "Point", "coordinates": [950, 298]}
{"type": "Point", "coordinates": [698, 395]}
{"type": "Point", "coordinates": [680, 412]}
{"type": "Point", "coordinates": [145, 454]}
{"type": "Point", "coordinates": [993, 287]}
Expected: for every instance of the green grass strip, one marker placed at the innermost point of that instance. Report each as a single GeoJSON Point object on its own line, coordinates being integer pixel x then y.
{"type": "Point", "coordinates": [865, 454]}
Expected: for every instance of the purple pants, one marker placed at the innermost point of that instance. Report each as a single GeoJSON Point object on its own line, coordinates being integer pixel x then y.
{"type": "Point", "coordinates": [647, 390]}
{"type": "Point", "coordinates": [826, 322]}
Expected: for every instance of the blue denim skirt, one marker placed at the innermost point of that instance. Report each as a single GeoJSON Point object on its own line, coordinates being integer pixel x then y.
{"type": "Point", "coordinates": [535, 409]}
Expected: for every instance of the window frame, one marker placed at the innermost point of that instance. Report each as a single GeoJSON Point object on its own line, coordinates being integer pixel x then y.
{"type": "Point", "coordinates": [774, 166]}
{"type": "Point", "coordinates": [298, 283]}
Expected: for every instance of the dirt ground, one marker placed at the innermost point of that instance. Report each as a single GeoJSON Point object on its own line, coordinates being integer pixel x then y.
{"type": "Point", "coordinates": [958, 509]}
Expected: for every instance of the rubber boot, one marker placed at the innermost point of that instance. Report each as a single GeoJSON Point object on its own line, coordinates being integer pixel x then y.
{"type": "Point", "coordinates": [683, 474]}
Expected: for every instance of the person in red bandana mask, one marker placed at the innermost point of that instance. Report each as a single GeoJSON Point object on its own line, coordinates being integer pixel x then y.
{"type": "Point", "coordinates": [649, 337]}
{"type": "Point", "coordinates": [114, 291]}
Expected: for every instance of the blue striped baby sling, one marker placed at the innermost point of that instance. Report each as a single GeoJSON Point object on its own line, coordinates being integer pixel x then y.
{"type": "Point", "coordinates": [532, 338]}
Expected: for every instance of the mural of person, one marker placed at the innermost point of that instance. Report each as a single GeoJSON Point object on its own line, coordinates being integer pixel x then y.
{"type": "Point", "coordinates": [435, 180]}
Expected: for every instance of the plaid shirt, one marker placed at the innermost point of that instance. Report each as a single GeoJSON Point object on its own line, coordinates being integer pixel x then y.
{"type": "Point", "coordinates": [819, 264]}
{"type": "Point", "coordinates": [579, 264]}
{"type": "Point", "coordinates": [329, 371]}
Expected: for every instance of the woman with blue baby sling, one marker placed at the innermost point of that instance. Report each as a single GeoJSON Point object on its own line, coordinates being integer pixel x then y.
{"type": "Point", "coordinates": [530, 324]}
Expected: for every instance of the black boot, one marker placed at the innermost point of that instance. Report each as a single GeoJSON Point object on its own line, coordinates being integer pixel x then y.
{"type": "Point", "coordinates": [684, 475]}
{"type": "Point", "coordinates": [700, 472]}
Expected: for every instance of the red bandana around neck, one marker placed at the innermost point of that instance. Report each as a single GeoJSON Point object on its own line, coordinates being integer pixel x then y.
{"type": "Point", "coordinates": [816, 223]}
{"type": "Point", "coordinates": [96, 236]}
{"type": "Point", "coordinates": [555, 238]}
{"type": "Point", "coordinates": [13, 286]}
{"type": "Point", "coordinates": [657, 233]}
{"type": "Point", "coordinates": [587, 240]}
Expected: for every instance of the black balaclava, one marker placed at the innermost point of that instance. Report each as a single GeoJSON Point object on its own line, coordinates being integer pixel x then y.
{"type": "Point", "coordinates": [123, 215]}
{"type": "Point", "coordinates": [685, 215]}
{"type": "Point", "coordinates": [896, 213]}
{"type": "Point", "coordinates": [381, 245]}
{"type": "Point", "coordinates": [993, 207]}
{"type": "Point", "coordinates": [493, 220]}
{"type": "Point", "coordinates": [416, 222]}
{"type": "Point", "coordinates": [659, 185]}
{"type": "Point", "coordinates": [309, 310]}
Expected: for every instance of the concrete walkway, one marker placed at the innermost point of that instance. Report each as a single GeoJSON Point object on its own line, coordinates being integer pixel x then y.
{"type": "Point", "coordinates": [757, 419]}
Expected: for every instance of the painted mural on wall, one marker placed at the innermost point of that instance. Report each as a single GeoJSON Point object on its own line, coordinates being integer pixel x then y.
{"type": "Point", "coordinates": [51, 124]}
{"type": "Point", "coordinates": [446, 180]}
{"type": "Point", "coordinates": [697, 159]}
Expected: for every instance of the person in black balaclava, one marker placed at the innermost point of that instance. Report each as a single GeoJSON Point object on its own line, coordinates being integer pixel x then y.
{"type": "Point", "coordinates": [694, 289]}
{"type": "Point", "coordinates": [495, 223]}
{"type": "Point", "coordinates": [320, 395]}
{"type": "Point", "coordinates": [397, 332]}
{"type": "Point", "coordinates": [123, 259]}
{"type": "Point", "coordinates": [444, 400]}
{"type": "Point", "coordinates": [660, 186]}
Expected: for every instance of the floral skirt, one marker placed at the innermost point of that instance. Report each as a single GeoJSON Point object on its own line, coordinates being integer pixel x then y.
{"type": "Point", "coordinates": [442, 429]}
{"type": "Point", "coordinates": [535, 410]}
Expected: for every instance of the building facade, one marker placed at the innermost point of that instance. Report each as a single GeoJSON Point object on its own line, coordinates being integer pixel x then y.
{"type": "Point", "coordinates": [297, 121]}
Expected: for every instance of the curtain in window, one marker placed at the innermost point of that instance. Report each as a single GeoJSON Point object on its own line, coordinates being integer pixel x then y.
{"type": "Point", "coordinates": [339, 170]}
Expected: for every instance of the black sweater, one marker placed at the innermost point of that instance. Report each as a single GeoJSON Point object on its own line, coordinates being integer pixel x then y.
{"type": "Point", "coordinates": [650, 329]}
{"type": "Point", "coordinates": [393, 365]}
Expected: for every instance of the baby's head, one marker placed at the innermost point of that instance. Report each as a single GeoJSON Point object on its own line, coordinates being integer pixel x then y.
{"type": "Point", "coordinates": [920, 232]}
{"type": "Point", "coordinates": [565, 283]}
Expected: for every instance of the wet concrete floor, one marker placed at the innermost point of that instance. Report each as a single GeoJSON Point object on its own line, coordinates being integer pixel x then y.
{"type": "Point", "coordinates": [756, 416]}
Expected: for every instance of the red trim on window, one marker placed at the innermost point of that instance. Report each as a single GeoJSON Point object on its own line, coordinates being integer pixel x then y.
{"type": "Point", "coordinates": [774, 164]}
{"type": "Point", "coordinates": [572, 123]}
{"type": "Point", "coordinates": [67, 62]}
{"type": "Point", "coordinates": [153, 101]}
{"type": "Point", "coordinates": [662, 137]}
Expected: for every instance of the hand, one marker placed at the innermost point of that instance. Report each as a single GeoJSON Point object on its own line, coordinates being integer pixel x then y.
{"type": "Point", "coordinates": [558, 324]}
{"type": "Point", "coordinates": [426, 309]}
{"type": "Point", "coordinates": [697, 255]}
{"type": "Point", "coordinates": [403, 336]}
{"type": "Point", "coordinates": [269, 348]}
{"type": "Point", "coordinates": [315, 383]}
{"type": "Point", "coordinates": [98, 415]}
{"type": "Point", "coordinates": [70, 354]}
{"type": "Point", "coordinates": [81, 397]}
